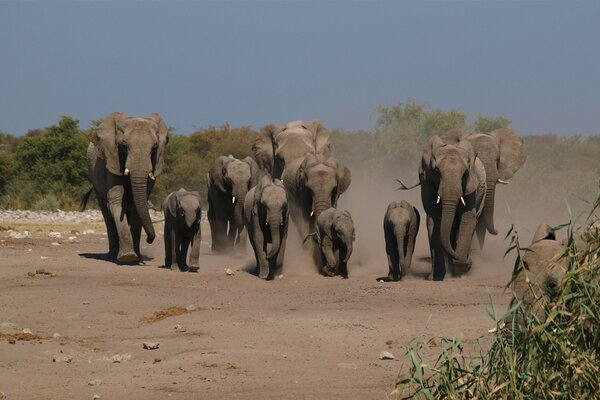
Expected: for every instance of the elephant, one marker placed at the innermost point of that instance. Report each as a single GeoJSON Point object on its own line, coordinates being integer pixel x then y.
{"type": "Point", "coordinates": [124, 157]}
{"type": "Point", "coordinates": [453, 187]}
{"type": "Point", "coordinates": [313, 184]}
{"type": "Point", "coordinates": [400, 227]}
{"type": "Point", "coordinates": [335, 236]}
{"type": "Point", "coordinates": [278, 145]}
{"type": "Point", "coordinates": [266, 216]}
{"type": "Point", "coordinates": [502, 156]}
{"type": "Point", "coordinates": [539, 284]}
{"type": "Point", "coordinates": [182, 211]}
{"type": "Point", "coordinates": [228, 182]}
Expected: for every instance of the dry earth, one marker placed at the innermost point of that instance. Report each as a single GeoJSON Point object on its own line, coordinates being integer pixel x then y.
{"type": "Point", "coordinates": [222, 337]}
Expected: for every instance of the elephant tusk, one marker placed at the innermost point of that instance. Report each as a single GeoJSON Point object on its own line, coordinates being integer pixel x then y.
{"type": "Point", "coordinates": [502, 181]}
{"type": "Point", "coordinates": [151, 176]}
{"type": "Point", "coordinates": [126, 172]}
{"type": "Point", "coordinates": [233, 200]}
{"type": "Point", "coordinates": [462, 200]}
{"type": "Point", "coordinates": [438, 200]}
{"type": "Point", "coordinates": [312, 212]}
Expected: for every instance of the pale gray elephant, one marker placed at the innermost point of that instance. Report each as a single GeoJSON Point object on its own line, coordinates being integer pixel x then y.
{"type": "Point", "coordinates": [453, 186]}
{"type": "Point", "coordinates": [278, 145]}
{"type": "Point", "coordinates": [266, 217]}
{"type": "Point", "coordinates": [125, 156]}
{"type": "Point", "coordinates": [335, 236]}
{"type": "Point", "coordinates": [228, 181]}
{"type": "Point", "coordinates": [183, 212]}
{"type": "Point", "coordinates": [314, 183]}
{"type": "Point", "coordinates": [501, 153]}
{"type": "Point", "coordinates": [400, 227]}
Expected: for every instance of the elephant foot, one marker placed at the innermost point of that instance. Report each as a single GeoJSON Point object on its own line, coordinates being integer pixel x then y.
{"type": "Point", "coordinates": [128, 258]}
{"type": "Point", "coordinates": [461, 268]}
{"type": "Point", "coordinates": [328, 271]}
{"type": "Point", "coordinates": [193, 268]}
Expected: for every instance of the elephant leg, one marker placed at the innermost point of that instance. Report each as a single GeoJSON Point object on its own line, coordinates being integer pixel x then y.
{"type": "Point", "coordinates": [278, 273]}
{"type": "Point", "coordinates": [438, 255]}
{"type": "Point", "coordinates": [242, 239]}
{"type": "Point", "coordinates": [261, 256]}
{"type": "Point", "coordinates": [136, 232]}
{"type": "Point", "coordinates": [231, 234]}
{"type": "Point", "coordinates": [480, 229]}
{"type": "Point", "coordinates": [175, 243]}
{"type": "Point", "coordinates": [391, 250]}
{"type": "Point", "coordinates": [182, 253]}
{"type": "Point", "coordinates": [126, 253]}
{"type": "Point", "coordinates": [168, 246]}
{"type": "Point", "coordinates": [328, 257]}
{"type": "Point", "coordinates": [343, 269]}
{"type": "Point", "coordinates": [194, 264]}
{"type": "Point", "coordinates": [111, 228]}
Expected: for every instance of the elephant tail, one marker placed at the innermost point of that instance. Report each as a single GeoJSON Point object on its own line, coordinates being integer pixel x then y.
{"type": "Point", "coordinates": [404, 187]}
{"type": "Point", "coordinates": [85, 199]}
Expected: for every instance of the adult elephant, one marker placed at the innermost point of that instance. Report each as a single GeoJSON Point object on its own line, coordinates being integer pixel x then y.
{"type": "Point", "coordinates": [453, 186]}
{"type": "Point", "coordinates": [125, 156]}
{"type": "Point", "coordinates": [314, 183]}
{"type": "Point", "coordinates": [229, 180]}
{"type": "Point", "coordinates": [501, 153]}
{"type": "Point", "coordinates": [278, 145]}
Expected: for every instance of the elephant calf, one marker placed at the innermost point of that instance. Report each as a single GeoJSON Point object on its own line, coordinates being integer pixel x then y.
{"type": "Point", "coordinates": [182, 227]}
{"type": "Point", "coordinates": [266, 217]}
{"type": "Point", "coordinates": [400, 226]}
{"type": "Point", "coordinates": [335, 234]}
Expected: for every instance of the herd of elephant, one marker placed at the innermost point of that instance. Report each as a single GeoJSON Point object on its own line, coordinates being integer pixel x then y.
{"type": "Point", "coordinates": [294, 174]}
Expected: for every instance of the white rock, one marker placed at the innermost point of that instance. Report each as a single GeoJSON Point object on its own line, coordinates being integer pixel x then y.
{"type": "Point", "coordinates": [179, 328]}
{"type": "Point", "coordinates": [229, 272]}
{"type": "Point", "coordinates": [55, 244]}
{"type": "Point", "coordinates": [119, 358]}
{"type": "Point", "coordinates": [55, 235]}
{"type": "Point", "coordinates": [72, 238]}
{"type": "Point", "coordinates": [62, 358]}
{"type": "Point", "coordinates": [19, 235]}
{"type": "Point", "coordinates": [27, 331]}
{"type": "Point", "coordinates": [386, 355]}
{"type": "Point", "coordinates": [57, 336]}
{"type": "Point", "coordinates": [88, 232]}
{"type": "Point", "coordinates": [29, 250]}
{"type": "Point", "coordinates": [151, 345]}
{"type": "Point", "coordinates": [43, 258]}
{"type": "Point", "coordinates": [191, 307]}
{"type": "Point", "coordinates": [95, 382]}
{"type": "Point", "coordinates": [96, 397]}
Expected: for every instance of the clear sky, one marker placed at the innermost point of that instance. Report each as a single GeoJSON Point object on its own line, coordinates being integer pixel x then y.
{"type": "Point", "coordinates": [255, 62]}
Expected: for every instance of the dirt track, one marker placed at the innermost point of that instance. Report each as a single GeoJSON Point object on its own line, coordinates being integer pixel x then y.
{"type": "Point", "coordinates": [302, 337]}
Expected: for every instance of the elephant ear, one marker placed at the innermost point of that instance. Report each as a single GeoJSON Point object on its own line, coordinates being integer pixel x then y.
{"type": "Point", "coordinates": [104, 137]}
{"type": "Point", "coordinates": [344, 177]}
{"type": "Point", "coordinates": [454, 136]}
{"type": "Point", "coordinates": [263, 148]}
{"type": "Point", "coordinates": [428, 159]}
{"type": "Point", "coordinates": [543, 232]}
{"type": "Point", "coordinates": [512, 156]}
{"type": "Point", "coordinates": [172, 204]}
{"type": "Point", "coordinates": [216, 172]}
{"type": "Point", "coordinates": [253, 170]}
{"type": "Point", "coordinates": [322, 141]}
{"type": "Point", "coordinates": [163, 139]}
{"type": "Point", "coordinates": [476, 167]}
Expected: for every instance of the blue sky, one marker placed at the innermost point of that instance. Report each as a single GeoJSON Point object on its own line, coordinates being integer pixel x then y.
{"type": "Point", "coordinates": [256, 62]}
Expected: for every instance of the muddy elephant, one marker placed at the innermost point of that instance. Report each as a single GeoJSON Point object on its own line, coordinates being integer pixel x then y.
{"type": "Point", "coordinates": [400, 227]}
{"type": "Point", "coordinates": [501, 153]}
{"type": "Point", "coordinates": [266, 216]}
{"type": "Point", "coordinates": [183, 212]}
{"type": "Point", "coordinates": [125, 156]}
{"type": "Point", "coordinates": [539, 284]}
{"type": "Point", "coordinates": [278, 145]}
{"type": "Point", "coordinates": [453, 186]}
{"type": "Point", "coordinates": [228, 181]}
{"type": "Point", "coordinates": [335, 236]}
{"type": "Point", "coordinates": [314, 183]}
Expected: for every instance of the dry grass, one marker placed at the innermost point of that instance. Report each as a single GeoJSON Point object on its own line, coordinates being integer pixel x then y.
{"type": "Point", "coordinates": [22, 337]}
{"type": "Point", "coordinates": [169, 312]}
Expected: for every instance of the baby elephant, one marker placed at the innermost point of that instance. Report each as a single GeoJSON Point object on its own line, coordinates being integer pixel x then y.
{"type": "Point", "coordinates": [400, 225]}
{"type": "Point", "coordinates": [266, 218]}
{"type": "Point", "coordinates": [182, 227]}
{"type": "Point", "coordinates": [335, 234]}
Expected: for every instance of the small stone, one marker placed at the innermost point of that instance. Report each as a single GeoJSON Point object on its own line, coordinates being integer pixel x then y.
{"type": "Point", "coordinates": [179, 328]}
{"type": "Point", "coordinates": [151, 345]}
{"type": "Point", "coordinates": [29, 250]}
{"type": "Point", "coordinates": [191, 307]}
{"type": "Point", "coordinates": [27, 331]}
{"type": "Point", "coordinates": [119, 358]}
{"type": "Point", "coordinates": [43, 258]}
{"type": "Point", "coordinates": [62, 358]}
{"type": "Point", "coordinates": [95, 382]}
{"type": "Point", "coordinates": [57, 336]}
{"type": "Point", "coordinates": [381, 280]}
{"type": "Point", "coordinates": [31, 274]}
{"type": "Point", "coordinates": [88, 232]}
{"type": "Point", "coordinates": [85, 303]}
{"type": "Point", "coordinates": [72, 238]}
{"type": "Point", "coordinates": [55, 235]}
{"type": "Point", "coordinates": [229, 272]}
{"type": "Point", "coordinates": [386, 355]}
{"type": "Point", "coordinates": [55, 244]}
{"type": "Point", "coordinates": [96, 397]}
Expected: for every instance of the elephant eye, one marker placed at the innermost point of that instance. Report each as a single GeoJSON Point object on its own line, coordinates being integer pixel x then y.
{"type": "Point", "coordinates": [155, 146]}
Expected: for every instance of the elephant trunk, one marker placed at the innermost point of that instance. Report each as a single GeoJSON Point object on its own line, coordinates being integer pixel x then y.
{"type": "Point", "coordinates": [320, 204]}
{"type": "Point", "coordinates": [139, 190]}
{"type": "Point", "coordinates": [348, 250]}
{"type": "Point", "coordinates": [274, 225]}
{"type": "Point", "coordinates": [448, 214]}
{"type": "Point", "coordinates": [491, 172]}
{"type": "Point", "coordinates": [240, 195]}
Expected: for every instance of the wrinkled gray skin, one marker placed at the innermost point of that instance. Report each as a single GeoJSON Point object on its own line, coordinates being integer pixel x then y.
{"type": "Point", "coordinates": [124, 157]}
{"type": "Point", "coordinates": [314, 184]}
{"type": "Point", "coordinates": [449, 172]}
{"type": "Point", "coordinates": [278, 145]}
{"type": "Point", "coordinates": [335, 235]}
{"type": "Point", "coordinates": [540, 283]}
{"type": "Point", "coordinates": [182, 227]}
{"type": "Point", "coordinates": [502, 156]}
{"type": "Point", "coordinates": [266, 217]}
{"type": "Point", "coordinates": [228, 182]}
{"type": "Point", "coordinates": [400, 227]}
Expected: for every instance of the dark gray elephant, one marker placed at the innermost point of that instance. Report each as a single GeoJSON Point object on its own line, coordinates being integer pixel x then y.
{"type": "Point", "coordinates": [314, 183]}
{"type": "Point", "coordinates": [400, 227]}
{"type": "Point", "coordinates": [182, 227]}
{"type": "Point", "coordinates": [502, 156]}
{"type": "Point", "coordinates": [453, 187]}
{"type": "Point", "coordinates": [124, 158]}
{"type": "Point", "coordinates": [335, 236]}
{"type": "Point", "coordinates": [278, 145]}
{"type": "Point", "coordinates": [266, 217]}
{"type": "Point", "coordinates": [228, 181]}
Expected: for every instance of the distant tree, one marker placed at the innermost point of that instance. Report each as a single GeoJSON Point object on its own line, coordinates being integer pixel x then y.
{"type": "Point", "coordinates": [484, 124]}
